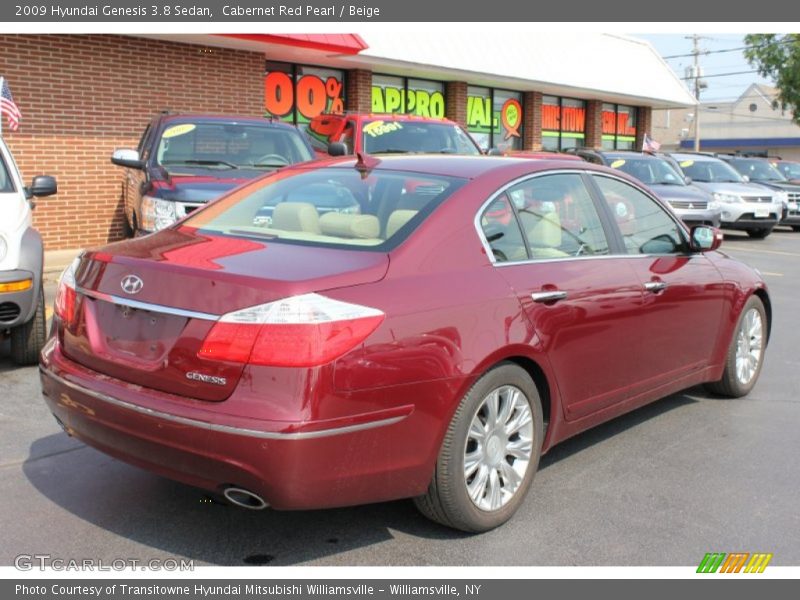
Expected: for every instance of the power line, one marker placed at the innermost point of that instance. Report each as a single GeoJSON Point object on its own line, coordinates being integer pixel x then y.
{"type": "Point", "coordinates": [721, 75]}
{"type": "Point", "coordinates": [738, 49]}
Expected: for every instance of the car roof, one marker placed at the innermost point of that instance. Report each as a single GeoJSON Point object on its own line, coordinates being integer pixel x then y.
{"type": "Point", "coordinates": [466, 167]}
{"type": "Point", "coordinates": [628, 154]}
{"type": "Point", "coordinates": [692, 156]}
{"type": "Point", "coordinates": [384, 116]}
{"type": "Point", "coordinates": [222, 118]}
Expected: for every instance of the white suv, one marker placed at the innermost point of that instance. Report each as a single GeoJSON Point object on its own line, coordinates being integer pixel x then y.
{"type": "Point", "coordinates": [22, 313]}
{"type": "Point", "coordinates": [746, 206]}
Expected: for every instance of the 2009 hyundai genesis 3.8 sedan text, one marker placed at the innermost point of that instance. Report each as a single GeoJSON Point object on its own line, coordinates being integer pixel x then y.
{"type": "Point", "coordinates": [470, 315]}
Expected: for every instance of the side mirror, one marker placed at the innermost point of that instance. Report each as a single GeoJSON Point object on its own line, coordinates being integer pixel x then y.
{"type": "Point", "coordinates": [124, 157]}
{"type": "Point", "coordinates": [705, 238]}
{"type": "Point", "coordinates": [745, 178]}
{"type": "Point", "coordinates": [43, 185]}
{"type": "Point", "coordinates": [337, 149]}
{"type": "Point", "coordinates": [687, 180]}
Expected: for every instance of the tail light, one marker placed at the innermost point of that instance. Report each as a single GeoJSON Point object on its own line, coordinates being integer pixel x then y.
{"type": "Point", "coordinates": [66, 296]}
{"type": "Point", "coordinates": [301, 331]}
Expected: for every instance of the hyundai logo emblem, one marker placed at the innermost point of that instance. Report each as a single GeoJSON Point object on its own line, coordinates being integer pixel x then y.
{"type": "Point", "coordinates": [131, 284]}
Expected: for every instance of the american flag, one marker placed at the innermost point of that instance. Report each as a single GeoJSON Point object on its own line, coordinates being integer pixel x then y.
{"type": "Point", "coordinates": [649, 144]}
{"type": "Point", "coordinates": [8, 107]}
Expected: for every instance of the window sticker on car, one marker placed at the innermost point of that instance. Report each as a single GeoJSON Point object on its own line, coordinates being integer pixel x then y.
{"type": "Point", "coordinates": [687, 163]}
{"type": "Point", "coordinates": [617, 164]}
{"type": "Point", "coordinates": [177, 130]}
{"type": "Point", "coordinates": [378, 128]}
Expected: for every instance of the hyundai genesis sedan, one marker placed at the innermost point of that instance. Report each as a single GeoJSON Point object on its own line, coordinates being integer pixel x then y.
{"type": "Point", "coordinates": [472, 314]}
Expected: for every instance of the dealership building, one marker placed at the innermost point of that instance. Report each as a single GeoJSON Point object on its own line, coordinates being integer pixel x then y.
{"type": "Point", "coordinates": [82, 96]}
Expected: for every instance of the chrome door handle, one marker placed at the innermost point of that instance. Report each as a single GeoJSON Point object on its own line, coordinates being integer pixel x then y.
{"type": "Point", "coordinates": [548, 296]}
{"type": "Point", "coordinates": [655, 286]}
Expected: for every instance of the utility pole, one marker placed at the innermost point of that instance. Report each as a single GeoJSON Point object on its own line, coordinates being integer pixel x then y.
{"type": "Point", "coordinates": [696, 72]}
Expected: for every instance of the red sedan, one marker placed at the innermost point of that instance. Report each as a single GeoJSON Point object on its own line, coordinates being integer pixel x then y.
{"type": "Point", "coordinates": [470, 315]}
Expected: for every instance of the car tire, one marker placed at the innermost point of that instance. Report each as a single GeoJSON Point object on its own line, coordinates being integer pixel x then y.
{"type": "Point", "coordinates": [487, 492]}
{"type": "Point", "coordinates": [27, 339]}
{"type": "Point", "coordinates": [758, 234]}
{"type": "Point", "coordinates": [745, 355]}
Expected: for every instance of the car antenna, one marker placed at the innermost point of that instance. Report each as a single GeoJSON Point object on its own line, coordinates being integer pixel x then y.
{"type": "Point", "coordinates": [365, 163]}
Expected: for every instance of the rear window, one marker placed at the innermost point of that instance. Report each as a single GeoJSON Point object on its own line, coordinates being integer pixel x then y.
{"type": "Point", "coordinates": [389, 136]}
{"type": "Point", "coordinates": [329, 207]}
{"type": "Point", "coordinates": [230, 146]}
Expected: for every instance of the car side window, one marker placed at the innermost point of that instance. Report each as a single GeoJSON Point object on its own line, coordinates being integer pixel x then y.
{"type": "Point", "coordinates": [501, 230]}
{"type": "Point", "coordinates": [558, 216]}
{"type": "Point", "coordinates": [645, 225]}
{"type": "Point", "coordinates": [6, 183]}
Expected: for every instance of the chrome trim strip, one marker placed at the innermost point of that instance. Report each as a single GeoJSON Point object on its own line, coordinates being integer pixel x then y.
{"type": "Point", "coordinates": [254, 433]}
{"type": "Point", "coordinates": [160, 308]}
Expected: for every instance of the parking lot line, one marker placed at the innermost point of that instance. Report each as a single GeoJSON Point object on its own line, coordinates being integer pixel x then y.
{"type": "Point", "coordinates": [779, 252]}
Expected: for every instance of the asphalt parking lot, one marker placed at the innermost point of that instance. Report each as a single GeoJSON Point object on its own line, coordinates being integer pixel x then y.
{"type": "Point", "coordinates": [687, 475]}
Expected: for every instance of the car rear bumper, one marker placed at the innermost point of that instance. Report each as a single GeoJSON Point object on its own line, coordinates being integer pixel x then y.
{"type": "Point", "coordinates": [292, 465]}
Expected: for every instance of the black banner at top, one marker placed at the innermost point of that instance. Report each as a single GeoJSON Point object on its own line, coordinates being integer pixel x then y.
{"type": "Point", "coordinates": [298, 11]}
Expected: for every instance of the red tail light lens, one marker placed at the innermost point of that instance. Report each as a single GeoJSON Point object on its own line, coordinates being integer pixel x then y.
{"type": "Point", "coordinates": [301, 331]}
{"type": "Point", "coordinates": [66, 296]}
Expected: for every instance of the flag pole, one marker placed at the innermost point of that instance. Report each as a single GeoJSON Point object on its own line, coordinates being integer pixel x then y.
{"type": "Point", "coordinates": [2, 79]}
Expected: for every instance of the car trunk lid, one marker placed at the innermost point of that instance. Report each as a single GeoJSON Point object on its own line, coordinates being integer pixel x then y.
{"type": "Point", "coordinates": [145, 306]}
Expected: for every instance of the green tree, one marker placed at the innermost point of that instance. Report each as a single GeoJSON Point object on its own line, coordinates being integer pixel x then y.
{"type": "Point", "coordinates": [777, 57]}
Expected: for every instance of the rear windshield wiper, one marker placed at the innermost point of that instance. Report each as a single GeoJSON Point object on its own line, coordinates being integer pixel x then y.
{"type": "Point", "coordinates": [201, 163]}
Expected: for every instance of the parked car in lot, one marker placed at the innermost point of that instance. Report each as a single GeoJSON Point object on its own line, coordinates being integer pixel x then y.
{"type": "Point", "coordinates": [476, 313]}
{"type": "Point", "coordinates": [790, 169]}
{"type": "Point", "coordinates": [183, 161]}
{"type": "Point", "coordinates": [22, 311]}
{"type": "Point", "coordinates": [690, 203]}
{"type": "Point", "coordinates": [761, 170]}
{"type": "Point", "coordinates": [749, 207]}
{"type": "Point", "coordinates": [341, 134]}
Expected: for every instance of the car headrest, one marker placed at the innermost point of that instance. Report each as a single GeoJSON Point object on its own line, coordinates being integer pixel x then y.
{"type": "Point", "coordinates": [296, 216]}
{"type": "Point", "coordinates": [350, 226]}
{"type": "Point", "coordinates": [397, 219]}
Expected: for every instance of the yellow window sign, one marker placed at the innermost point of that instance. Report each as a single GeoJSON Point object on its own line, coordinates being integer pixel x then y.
{"type": "Point", "coordinates": [177, 130]}
{"type": "Point", "coordinates": [378, 128]}
{"type": "Point", "coordinates": [617, 164]}
{"type": "Point", "coordinates": [687, 163]}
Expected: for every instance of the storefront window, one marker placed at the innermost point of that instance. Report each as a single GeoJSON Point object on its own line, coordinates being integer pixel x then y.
{"type": "Point", "coordinates": [494, 118]}
{"type": "Point", "coordinates": [298, 93]}
{"type": "Point", "coordinates": [407, 96]}
{"type": "Point", "coordinates": [563, 123]}
{"type": "Point", "coordinates": [619, 127]}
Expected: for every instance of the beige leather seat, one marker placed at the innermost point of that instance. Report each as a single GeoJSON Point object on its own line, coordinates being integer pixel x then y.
{"type": "Point", "coordinates": [296, 216]}
{"type": "Point", "coordinates": [350, 226]}
{"type": "Point", "coordinates": [397, 219]}
{"type": "Point", "coordinates": [544, 236]}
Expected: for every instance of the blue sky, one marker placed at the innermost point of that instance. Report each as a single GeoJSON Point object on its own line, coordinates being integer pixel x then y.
{"type": "Point", "coordinates": [715, 63]}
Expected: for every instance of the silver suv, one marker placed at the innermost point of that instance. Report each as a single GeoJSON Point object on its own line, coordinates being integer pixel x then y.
{"type": "Point", "coordinates": [750, 207]}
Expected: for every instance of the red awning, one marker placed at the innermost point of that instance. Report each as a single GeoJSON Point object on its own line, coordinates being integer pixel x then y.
{"type": "Point", "coordinates": [339, 43]}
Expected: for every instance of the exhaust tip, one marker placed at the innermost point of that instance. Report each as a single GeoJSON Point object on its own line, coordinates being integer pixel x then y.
{"type": "Point", "coordinates": [244, 498]}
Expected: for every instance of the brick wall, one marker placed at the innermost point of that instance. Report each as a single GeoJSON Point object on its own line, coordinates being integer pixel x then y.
{"type": "Point", "coordinates": [81, 96]}
{"type": "Point", "coordinates": [359, 91]}
{"type": "Point", "coordinates": [594, 124]}
{"type": "Point", "coordinates": [455, 97]}
{"type": "Point", "coordinates": [532, 132]}
{"type": "Point", "coordinates": [644, 124]}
